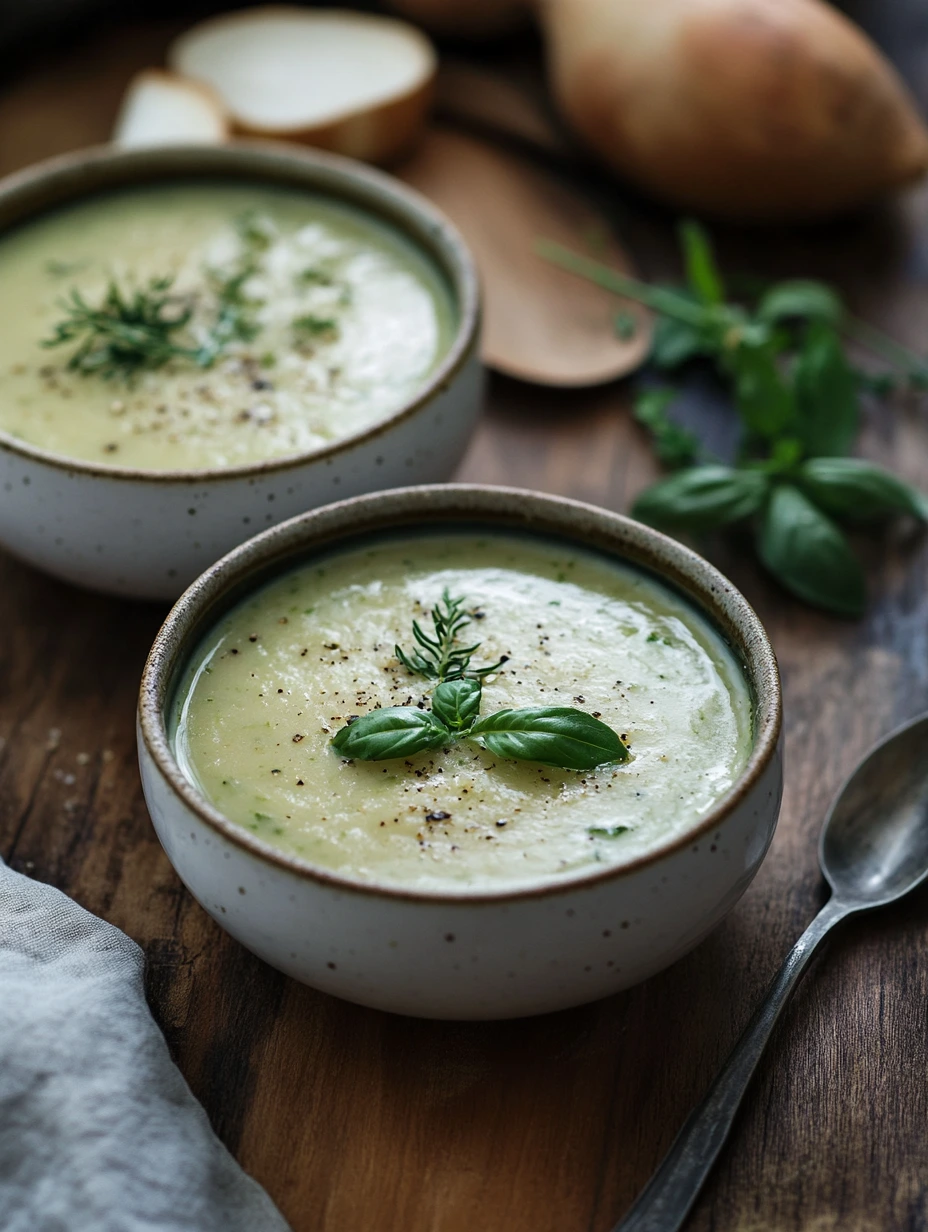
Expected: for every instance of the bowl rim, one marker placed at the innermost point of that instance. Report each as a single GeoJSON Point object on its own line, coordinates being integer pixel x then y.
{"type": "Point", "coordinates": [505, 508]}
{"type": "Point", "coordinates": [69, 178]}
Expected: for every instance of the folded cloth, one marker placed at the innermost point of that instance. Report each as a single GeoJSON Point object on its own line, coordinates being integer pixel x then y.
{"type": "Point", "coordinates": [98, 1130]}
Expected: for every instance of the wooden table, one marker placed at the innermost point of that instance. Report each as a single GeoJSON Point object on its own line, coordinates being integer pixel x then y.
{"type": "Point", "coordinates": [356, 1121]}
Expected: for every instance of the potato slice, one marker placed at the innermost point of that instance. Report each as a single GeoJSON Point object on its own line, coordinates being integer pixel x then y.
{"type": "Point", "coordinates": [163, 109]}
{"type": "Point", "coordinates": [356, 83]}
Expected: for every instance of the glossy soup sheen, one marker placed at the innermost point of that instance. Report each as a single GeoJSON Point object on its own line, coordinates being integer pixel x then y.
{"type": "Point", "coordinates": [283, 671]}
{"type": "Point", "coordinates": [351, 319]}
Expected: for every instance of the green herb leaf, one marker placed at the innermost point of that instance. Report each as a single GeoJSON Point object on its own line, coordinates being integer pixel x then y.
{"type": "Point", "coordinates": [313, 275]}
{"type": "Point", "coordinates": [765, 401]}
{"type": "Point", "coordinates": [315, 327]}
{"type": "Point", "coordinates": [456, 703]}
{"type": "Point", "coordinates": [255, 230]}
{"type": "Point", "coordinates": [803, 299]}
{"type": "Point", "coordinates": [608, 831]}
{"type": "Point", "coordinates": [553, 735]}
{"type": "Point", "coordinates": [809, 555]}
{"type": "Point", "coordinates": [702, 273]}
{"type": "Point", "coordinates": [854, 489]}
{"type": "Point", "coordinates": [674, 445]}
{"type": "Point", "coordinates": [625, 325]}
{"type": "Point", "coordinates": [677, 342]}
{"type": "Point", "coordinates": [702, 498]}
{"type": "Point", "coordinates": [826, 393]}
{"type": "Point", "coordinates": [396, 731]}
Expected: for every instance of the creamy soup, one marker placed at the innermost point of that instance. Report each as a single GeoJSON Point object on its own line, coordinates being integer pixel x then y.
{"type": "Point", "coordinates": [266, 322]}
{"type": "Point", "coordinates": [286, 669]}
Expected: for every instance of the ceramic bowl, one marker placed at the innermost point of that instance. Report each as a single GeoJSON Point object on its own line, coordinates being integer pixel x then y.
{"type": "Point", "coordinates": [149, 534]}
{"type": "Point", "coordinates": [464, 954]}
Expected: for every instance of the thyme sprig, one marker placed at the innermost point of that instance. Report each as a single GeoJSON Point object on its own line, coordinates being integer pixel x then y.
{"type": "Point", "coordinates": [128, 331]}
{"type": "Point", "coordinates": [132, 329]}
{"type": "Point", "coordinates": [551, 735]}
{"type": "Point", "coordinates": [439, 657]}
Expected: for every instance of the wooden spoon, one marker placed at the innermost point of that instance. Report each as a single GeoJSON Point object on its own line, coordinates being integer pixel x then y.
{"type": "Point", "coordinates": [541, 324]}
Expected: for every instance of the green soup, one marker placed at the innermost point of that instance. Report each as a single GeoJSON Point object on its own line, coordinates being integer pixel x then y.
{"type": "Point", "coordinates": [302, 321]}
{"type": "Point", "coordinates": [276, 678]}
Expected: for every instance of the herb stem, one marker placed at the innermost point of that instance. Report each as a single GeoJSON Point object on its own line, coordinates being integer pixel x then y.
{"type": "Point", "coordinates": [881, 344]}
{"type": "Point", "coordinates": [660, 299]}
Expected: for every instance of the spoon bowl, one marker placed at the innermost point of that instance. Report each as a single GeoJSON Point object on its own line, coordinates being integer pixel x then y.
{"type": "Point", "coordinates": [874, 844]}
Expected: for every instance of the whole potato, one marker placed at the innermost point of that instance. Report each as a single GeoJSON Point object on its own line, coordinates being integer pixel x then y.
{"type": "Point", "coordinates": [753, 109]}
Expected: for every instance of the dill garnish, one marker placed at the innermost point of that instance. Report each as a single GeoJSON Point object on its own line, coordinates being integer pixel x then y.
{"type": "Point", "coordinates": [127, 331]}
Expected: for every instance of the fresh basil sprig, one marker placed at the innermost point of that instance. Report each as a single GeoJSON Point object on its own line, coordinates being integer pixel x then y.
{"type": "Point", "coordinates": [551, 735]}
{"type": "Point", "coordinates": [797, 398]}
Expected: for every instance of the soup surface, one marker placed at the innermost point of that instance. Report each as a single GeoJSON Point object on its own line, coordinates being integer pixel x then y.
{"type": "Point", "coordinates": [279, 322]}
{"type": "Point", "coordinates": [282, 672]}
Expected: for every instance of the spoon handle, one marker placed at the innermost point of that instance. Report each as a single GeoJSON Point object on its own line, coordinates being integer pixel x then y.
{"type": "Point", "coordinates": [665, 1201]}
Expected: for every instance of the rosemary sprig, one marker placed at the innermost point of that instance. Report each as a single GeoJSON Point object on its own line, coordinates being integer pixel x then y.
{"type": "Point", "coordinates": [127, 331]}
{"type": "Point", "coordinates": [551, 735]}
{"type": "Point", "coordinates": [439, 657]}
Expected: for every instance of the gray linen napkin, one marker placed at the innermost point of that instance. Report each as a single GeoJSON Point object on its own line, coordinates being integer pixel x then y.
{"type": "Point", "coordinates": [98, 1130]}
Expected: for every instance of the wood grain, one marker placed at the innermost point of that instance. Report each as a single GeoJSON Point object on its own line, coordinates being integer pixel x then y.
{"type": "Point", "coordinates": [541, 324]}
{"type": "Point", "coordinates": [360, 1122]}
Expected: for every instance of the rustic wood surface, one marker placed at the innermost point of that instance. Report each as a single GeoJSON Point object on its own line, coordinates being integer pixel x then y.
{"type": "Point", "coordinates": [356, 1121]}
{"type": "Point", "coordinates": [540, 323]}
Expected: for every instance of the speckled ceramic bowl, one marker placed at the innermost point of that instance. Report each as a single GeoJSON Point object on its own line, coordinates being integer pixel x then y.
{"type": "Point", "coordinates": [464, 954]}
{"type": "Point", "coordinates": [148, 534]}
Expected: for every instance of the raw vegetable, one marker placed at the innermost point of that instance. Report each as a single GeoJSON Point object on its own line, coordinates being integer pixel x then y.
{"type": "Point", "coordinates": [163, 109]}
{"type": "Point", "coordinates": [356, 83]}
{"type": "Point", "coordinates": [751, 109]}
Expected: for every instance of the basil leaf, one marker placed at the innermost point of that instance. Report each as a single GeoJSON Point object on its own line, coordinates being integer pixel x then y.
{"type": "Point", "coordinates": [765, 402]}
{"type": "Point", "coordinates": [702, 273]}
{"type": "Point", "coordinates": [675, 342]}
{"type": "Point", "coordinates": [553, 735]}
{"type": "Point", "coordinates": [395, 731]}
{"type": "Point", "coordinates": [674, 445]}
{"type": "Point", "coordinates": [826, 393]}
{"type": "Point", "coordinates": [702, 498]}
{"type": "Point", "coordinates": [456, 703]}
{"type": "Point", "coordinates": [801, 298]}
{"type": "Point", "coordinates": [809, 555]}
{"type": "Point", "coordinates": [858, 490]}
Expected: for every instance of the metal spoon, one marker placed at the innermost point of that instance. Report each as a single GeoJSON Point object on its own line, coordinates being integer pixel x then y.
{"type": "Point", "coordinates": [873, 850]}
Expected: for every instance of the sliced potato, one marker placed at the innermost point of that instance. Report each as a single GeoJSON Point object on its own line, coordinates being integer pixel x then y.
{"type": "Point", "coordinates": [356, 83]}
{"type": "Point", "coordinates": [163, 109]}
